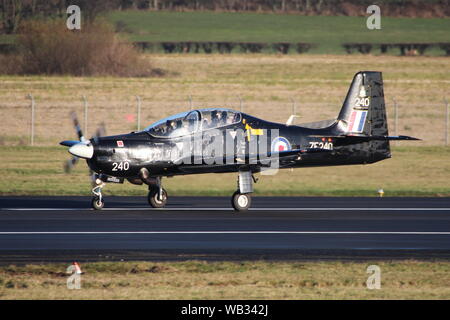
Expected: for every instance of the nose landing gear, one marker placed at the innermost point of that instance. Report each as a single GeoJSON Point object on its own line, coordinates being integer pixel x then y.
{"type": "Point", "coordinates": [97, 202]}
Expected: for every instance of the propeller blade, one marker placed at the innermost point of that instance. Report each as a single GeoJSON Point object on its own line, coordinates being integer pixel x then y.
{"type": "Point", "coordinates": [69, 164]}
{"type": "Point", "coordinates": [101, 131]}
{"type": "Point", "coordinates": [77, 126]}
{"type": "Point", "coordinates": [69, 143]}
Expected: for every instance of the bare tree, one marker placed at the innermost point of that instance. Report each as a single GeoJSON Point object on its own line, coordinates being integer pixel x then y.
{"type": "Point", "coordinates": [11, 14]}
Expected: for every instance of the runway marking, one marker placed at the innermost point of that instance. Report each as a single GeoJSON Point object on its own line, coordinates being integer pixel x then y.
{"type": "Point", "coordinates": [225, 209]}
{"type": "Point", "coordinates": [226, 232]}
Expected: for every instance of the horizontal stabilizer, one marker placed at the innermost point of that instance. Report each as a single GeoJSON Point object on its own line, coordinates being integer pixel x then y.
{"type": "Point", "coordinates": [400, 138]}
{"type": "Point", "coordinates": [363, 138]}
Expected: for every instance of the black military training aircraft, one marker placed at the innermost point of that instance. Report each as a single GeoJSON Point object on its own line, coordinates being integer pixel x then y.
{"type": "Point", "coordinates": [217, 140]}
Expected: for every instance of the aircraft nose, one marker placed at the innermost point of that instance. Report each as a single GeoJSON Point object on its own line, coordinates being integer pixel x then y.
{"type": "Point", "coordinates": [83, 150]}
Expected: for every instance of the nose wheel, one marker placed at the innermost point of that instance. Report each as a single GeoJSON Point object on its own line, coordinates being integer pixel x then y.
{"type": "Point", "coordinates": [97, 203]}
{"type": "Point", "coordinates": [241, 201]}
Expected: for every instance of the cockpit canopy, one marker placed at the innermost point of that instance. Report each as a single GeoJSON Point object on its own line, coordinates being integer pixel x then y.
{"type": "Point", "coordinates": [192, 121]}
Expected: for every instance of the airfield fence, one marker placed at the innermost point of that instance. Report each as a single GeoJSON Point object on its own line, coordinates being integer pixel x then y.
{"type": "Point", "coordinates": [37, 122]}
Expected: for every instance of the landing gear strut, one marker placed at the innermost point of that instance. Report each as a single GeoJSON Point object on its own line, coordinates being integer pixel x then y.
{"type": "Point", "coordinates": [97, 202]}
{"type": "Point", "coordinates": [157, 195]}
{"type": "Point", "coordinates": [241, 199]}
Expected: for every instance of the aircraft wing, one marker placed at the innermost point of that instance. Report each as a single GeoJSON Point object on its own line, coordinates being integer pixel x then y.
{"type": "Point", "coordinates": [246, 159]}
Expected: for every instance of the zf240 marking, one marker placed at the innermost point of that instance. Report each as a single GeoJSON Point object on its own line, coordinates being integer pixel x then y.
{"type": "Point", "coordinates": [321, 145]}
{"type": "Point", "coordinates": [121, 166]}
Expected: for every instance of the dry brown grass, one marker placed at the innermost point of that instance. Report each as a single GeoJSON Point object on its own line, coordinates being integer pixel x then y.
{"type": "Point", "coordinates": [266, 83]}
{"type": "Point", "coordinates": [229, 280]}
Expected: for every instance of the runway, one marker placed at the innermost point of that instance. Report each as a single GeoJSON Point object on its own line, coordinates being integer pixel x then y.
{"type": "Point", "coordinates": [279, 228]}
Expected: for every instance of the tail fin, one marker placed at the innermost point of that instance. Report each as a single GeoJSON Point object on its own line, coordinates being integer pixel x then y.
{"type": "Point", "coordinates": [362, 119]}
{"type": "Point", "coordinates": [364, 112]}
{"type": "Point", "coordinates": [363, 115]}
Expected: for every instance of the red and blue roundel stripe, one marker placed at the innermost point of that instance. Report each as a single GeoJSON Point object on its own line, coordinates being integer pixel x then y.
{"type": "Point", "coordinates": [280, 144]}
{"type": "Point", "coordinates": [357, 120]}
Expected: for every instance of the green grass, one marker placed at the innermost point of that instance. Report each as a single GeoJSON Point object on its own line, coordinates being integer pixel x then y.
{"type": "Point", "coordinates": [228, 280]}
{"type": "Point", "coordinates": [7, 38]}
{"type": "Point", "coordinates": [326, 31]}
{"type": "Point", "coordinates": [413, 171]}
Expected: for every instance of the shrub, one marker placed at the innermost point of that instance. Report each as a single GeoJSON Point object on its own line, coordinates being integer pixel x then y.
{"type": "Point", "coordinates": [48, 47]}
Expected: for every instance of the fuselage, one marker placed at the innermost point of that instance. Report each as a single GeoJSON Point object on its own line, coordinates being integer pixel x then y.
{"type": "Point", "coordinates": [125, 155]}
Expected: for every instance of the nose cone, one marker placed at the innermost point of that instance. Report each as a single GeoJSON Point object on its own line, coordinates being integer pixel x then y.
{"type": "Point", "coordinates": [83, 150]}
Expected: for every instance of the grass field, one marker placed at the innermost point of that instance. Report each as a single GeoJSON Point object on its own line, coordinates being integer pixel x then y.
{"type": "Point", "coordinates": [228, 280]}
{"type": "Point", "coordinates": [326, 31]}
{"type": "Point", "coordinates": [421, 171]}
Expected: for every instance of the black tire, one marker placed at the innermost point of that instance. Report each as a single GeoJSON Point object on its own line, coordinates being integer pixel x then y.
{"type": "Point", "coordinates": [241, 201]}
{"type": "Point", "coordinates": [97, 204]}
{"type": "Point", "coordinates": [153, 200]}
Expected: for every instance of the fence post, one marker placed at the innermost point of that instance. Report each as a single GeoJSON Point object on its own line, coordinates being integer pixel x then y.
{"type": "Point", "coordinates": [30, 96]}
{"type": "Point", "coordinates": [447, 114]}
{"type": "Point", "coordinates": [138, 100]}
{"type": "Point", "coordinates": [190, 102]}
{"type": "Point", "coordinates": [395, 117]}
{"type": "Point", "coordinates": [85, 115]}
{"type": "Point", "coordinates": [241, 106]}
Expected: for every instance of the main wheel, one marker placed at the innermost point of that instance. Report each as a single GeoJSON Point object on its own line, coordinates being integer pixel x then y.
{"type": "Point", "coordinates": [241, 201]}
{"type": "Point", "coordinates": [154, 200]}
{"type": "Point", "coordinates": [97, 204]}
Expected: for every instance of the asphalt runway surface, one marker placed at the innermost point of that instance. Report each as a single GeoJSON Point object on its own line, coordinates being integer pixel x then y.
{"type": "Point", "coordinates": [41, 229]}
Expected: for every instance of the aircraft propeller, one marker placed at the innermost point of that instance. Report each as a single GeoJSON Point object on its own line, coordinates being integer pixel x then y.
{"type": "Point", "coordinates": [81, 148]}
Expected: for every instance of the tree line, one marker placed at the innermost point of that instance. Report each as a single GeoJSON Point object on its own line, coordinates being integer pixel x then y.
{"type": "Point", "coordinates": [12, 12]}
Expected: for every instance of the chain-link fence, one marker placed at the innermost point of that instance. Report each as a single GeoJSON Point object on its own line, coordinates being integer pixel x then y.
{"type": "Point", "coordinates": [35, 121]}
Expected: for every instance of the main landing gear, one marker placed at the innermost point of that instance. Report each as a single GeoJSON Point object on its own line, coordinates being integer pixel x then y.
{"type": "Point", "coordinates": [157, 195]}
{"type": "Point", "coordinates": [241, 199]}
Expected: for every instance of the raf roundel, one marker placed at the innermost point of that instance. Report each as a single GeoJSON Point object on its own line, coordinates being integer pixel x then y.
{"type": "Point", "coordinates": [280, 144]}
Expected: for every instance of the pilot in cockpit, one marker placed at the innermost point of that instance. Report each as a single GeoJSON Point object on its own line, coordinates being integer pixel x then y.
{"type": "Point", "coordinates": [214, 119]}
{"type": "Point", "coordinates": [170, 127]}
{"type": "Point", "coordinates": [223, 118]}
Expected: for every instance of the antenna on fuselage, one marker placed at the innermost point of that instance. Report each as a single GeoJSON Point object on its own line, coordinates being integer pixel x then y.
{"type": "Point", "coordinates": [294, 115]}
